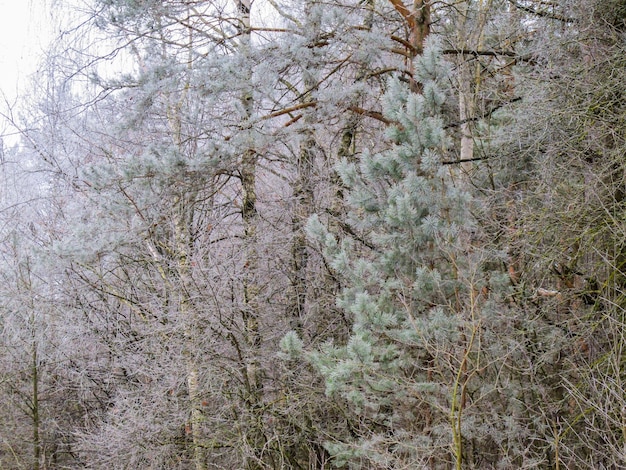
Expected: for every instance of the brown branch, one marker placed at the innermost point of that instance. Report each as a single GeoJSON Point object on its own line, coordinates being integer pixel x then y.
{"type": "Point", "coordinates": [541, 292]}
{"type": "Point", "coordinates": [290, 109]}
{"type": "Point", "coordinates": [373, 114]}
{"type": "Point", "coordinates": [355, 109]}
{"type": "Point", "coordinates": [404, 42]}
{"type": "Point", "coordinates": [405, 53]}
{"type": "Point", "coordinates": [408, 16]}
{"type": "Point", "coordinates": [293, 120]}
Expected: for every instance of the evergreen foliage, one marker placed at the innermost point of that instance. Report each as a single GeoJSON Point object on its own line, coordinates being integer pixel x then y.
{"type": "Point", "coordinates": [372, 234]}
{"type": "Point", "coordinates": [405, 290]}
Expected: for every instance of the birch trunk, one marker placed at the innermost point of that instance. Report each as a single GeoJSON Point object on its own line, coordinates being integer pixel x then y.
{"type": "Point", "coordinates": [467, 110]}
{"type": "Point", "coordinates": [469, 37]}
{"type": "Point", "coordinates": [250, 312]}
{"type": "Point", "coordinates": [183, 220]}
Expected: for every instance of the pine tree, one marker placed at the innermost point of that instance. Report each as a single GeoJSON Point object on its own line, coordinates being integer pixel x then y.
{"type": "Point", "coordinates": [403, 283]}
{"type": "Point", "coordinates": [433, 373]}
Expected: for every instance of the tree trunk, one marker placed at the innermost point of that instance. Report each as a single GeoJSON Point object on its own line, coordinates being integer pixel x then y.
{"type": "Point", "coordinates": [303, 187]}
{"type": "Point", "coordinates": [183, 220]}
{"type": "Point", "coordinates": [417, 22]}
{"type": "Point", "coordinates": [35, 405]}
{"type": "Point", "coordinates": [250, 311]}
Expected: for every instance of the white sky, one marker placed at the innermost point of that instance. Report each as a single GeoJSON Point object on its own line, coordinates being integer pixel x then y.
{"type": "Point", "coordinates": [25, 28]}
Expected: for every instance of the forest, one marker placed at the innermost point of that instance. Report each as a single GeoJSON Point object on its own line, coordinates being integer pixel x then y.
{"type": "Point", "coordinates": [317, 234]}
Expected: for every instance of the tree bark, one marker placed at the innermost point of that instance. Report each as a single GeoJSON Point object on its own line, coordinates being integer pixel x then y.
{"type": "Point", "coordinates": [417, 23]}
{"type": "Point", "coordinates": [251, 290]}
